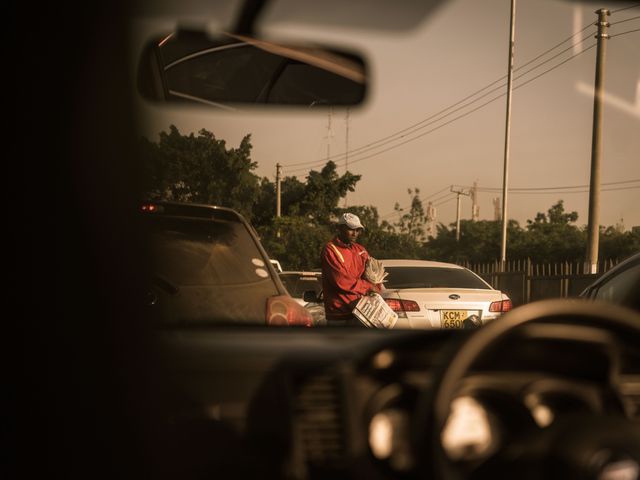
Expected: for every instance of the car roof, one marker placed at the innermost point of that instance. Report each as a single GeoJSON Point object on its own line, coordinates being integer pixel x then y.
{"type": "Point", "coordinates": [418, 263]}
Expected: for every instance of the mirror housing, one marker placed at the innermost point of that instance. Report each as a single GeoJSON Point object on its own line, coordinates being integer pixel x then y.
{"type": "Point", "coordinates": [229, 69]}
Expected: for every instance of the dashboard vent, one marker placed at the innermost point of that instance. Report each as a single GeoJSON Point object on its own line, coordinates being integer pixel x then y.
{"type": "Point", "coordinates": [319, 427]}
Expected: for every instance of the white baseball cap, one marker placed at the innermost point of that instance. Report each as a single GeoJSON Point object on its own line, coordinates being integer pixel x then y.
{"type": "Point", "coordinates": [350, 220]}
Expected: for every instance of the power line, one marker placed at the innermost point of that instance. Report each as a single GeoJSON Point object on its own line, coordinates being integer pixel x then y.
{"type": "Point", "coordinates": [568, 192]}
{"type": "Point", "coordinates": [471, 111]}
{"type": "Point", "coordinates": [624, 33]}
{"type": "Point", "coordinates": [625, 8]}
{"type": "Point", "coordinates": [422, 200]}
{"type": "Point", "coordinates": [445, 201]}
{"type": "Point", "coordinates": [564, 187]}
{"type": "Point", "coordinates": [625, 20]}
{"type": "Point", "coordinates": [468, 112]}
{"type": "Point", "coordinates": [382, 141]}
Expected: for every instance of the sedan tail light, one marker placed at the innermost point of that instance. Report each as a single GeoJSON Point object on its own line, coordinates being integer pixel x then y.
{"type": "Point", "coordinates": [402, 306]}
{"type": "Point", "coordinates": [285, 311]}
{"type": "Point", "coordinates": [501, 306]}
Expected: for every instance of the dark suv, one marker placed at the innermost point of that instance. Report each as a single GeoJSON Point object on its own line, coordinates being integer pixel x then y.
{"type": "Point", "coordinates": [209, 267]}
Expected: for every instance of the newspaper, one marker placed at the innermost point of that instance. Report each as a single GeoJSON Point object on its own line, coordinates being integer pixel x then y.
{"type": "Point", "coordinates": [373, 312]}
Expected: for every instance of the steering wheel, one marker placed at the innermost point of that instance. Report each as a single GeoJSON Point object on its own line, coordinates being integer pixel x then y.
{"type": "Point", "coordinates": [590, 446]}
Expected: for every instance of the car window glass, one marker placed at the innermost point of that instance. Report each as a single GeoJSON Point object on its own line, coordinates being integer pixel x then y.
{"type": "Point", "coordinates": [300, 83]}
{"type": "Point", "coordinates": [197, 252]}
{"type": "Point", "coordinates": [235, 74]}
{"type": "Point", "coordinates": [297, 285]}
{"type": "Point", "coordinates": [432, 277]}
{"type": "Point", "coordinates": [618, 287]}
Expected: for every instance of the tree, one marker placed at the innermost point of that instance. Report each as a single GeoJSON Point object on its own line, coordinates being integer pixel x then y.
{"type": "Point", "coordinates": [201, 169]}
{"type": "Point", "coordinates": [380, 238]}
{"type": "Point", "coordinates": [479, 241]}
{"type": "Point", "coordinates": [412, 222]}
{"type": "Point", "coordinates": [323, 191]}
{"type": "Point", "coordinates": [617, 245]}
{"type": "Point", "coordinates": [552, 237]}
{"type": "Point", "coordinates": [299, 243]}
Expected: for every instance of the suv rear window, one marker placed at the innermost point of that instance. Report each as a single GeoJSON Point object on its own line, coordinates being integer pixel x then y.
{"type": "Point", "coordinates": [432, 277]}
{"type": "Point", "coordinates": [190, 251]}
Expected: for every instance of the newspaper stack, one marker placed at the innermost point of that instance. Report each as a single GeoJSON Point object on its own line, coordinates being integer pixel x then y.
{"type": "Point", "coordinates": [374, 271]}
{"type": "Point", "coordinates": [373, 312]}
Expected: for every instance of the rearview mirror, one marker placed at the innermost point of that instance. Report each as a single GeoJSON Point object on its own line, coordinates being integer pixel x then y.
{"type": "Point", "coordinates": [191, 66]}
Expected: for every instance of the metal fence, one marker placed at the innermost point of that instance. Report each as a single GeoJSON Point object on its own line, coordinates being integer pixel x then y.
{"type": "Point", "coordinates": [525, 281]}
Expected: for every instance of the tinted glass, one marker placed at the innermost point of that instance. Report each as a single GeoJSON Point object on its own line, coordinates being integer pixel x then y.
{"type": "Point", "coordinates": [432, 277]}
{"type": "Point", "coordinates": [302, 84]}
{"type": "Point", "coordinates": [618, 288]}
{"type": "Point", "coordinates": [237, 74]}
{"type": "Point", "coordinates": [205, 252]}
{"type": "Point", "coordinates": [297, 284]}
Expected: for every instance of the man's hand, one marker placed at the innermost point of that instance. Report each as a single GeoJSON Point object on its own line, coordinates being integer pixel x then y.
{"type": "Point", "coordinates": [374, 271]}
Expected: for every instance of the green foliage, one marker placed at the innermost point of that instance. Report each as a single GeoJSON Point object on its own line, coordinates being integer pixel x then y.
{"type": "Point", "coordinates": [380, 238]}
{"type": "Point", "coordinates": [299, 243]}
{"type": "Point", "coordinates": [552, 237]}
{"type": "Point", "coordinates": [200, 169]}
{"type": "Point", "coordinates": [479, 241]}
{"type": "Point", "coordinates": [412, 223]}
{"type": "Point", "coordinates": [618, 245]}
{"type": "Point", "coordinates": [323, 191]}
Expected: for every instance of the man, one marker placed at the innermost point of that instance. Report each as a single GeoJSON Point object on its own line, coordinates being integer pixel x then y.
{"type": "Point", "coordinates": [343, 265]}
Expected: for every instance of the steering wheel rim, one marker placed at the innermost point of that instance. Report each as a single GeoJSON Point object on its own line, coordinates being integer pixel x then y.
{"type": "Point", "coordinates": [434, 408]}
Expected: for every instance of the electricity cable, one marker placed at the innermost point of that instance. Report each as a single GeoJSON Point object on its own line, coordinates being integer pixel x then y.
{"type": "Point", "coordinates": [624, 8]}
{"type": "Point", "coordinates": [364, 147]}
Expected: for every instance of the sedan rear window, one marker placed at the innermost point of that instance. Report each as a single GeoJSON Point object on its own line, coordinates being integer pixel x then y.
{"type": "Point", "coordinates": [432, 277]}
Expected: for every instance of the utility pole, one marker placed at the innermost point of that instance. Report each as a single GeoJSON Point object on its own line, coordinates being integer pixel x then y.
{"type": "Point", "coordinates": [346, 153]}
{"type": "Point", "coordinates": [596, 144]}
{"type": "Point", "coordinates": [505, 171]}
{"type": "Point", "coordinates": [458, 193]}
{"type": "Point", "coordinates": [278, 194]}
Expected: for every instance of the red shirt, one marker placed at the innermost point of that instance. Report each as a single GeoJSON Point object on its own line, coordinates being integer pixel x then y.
{"type": "Point", "coordinates": [342, 282]}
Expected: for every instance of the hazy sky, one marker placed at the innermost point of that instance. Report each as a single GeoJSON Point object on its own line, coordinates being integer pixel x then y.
{"type": "Point", "coordinates": [456, 51]}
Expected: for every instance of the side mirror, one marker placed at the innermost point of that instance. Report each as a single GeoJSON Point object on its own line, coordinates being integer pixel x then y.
{"type": "Point", "coordinates": [228, 69]}
{"type": "Point", "coordinates": [310, 296]}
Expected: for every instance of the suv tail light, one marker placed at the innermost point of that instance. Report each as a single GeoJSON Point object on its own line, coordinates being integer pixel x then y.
{"type": "Point", "coordinates": [283, 311]}
{"type": "Point", "coordinates": [501, 306]}
{"type": "Point", "coordinates": [402, 306]}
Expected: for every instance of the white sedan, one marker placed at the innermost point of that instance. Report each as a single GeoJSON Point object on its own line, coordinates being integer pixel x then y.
{"type": "Point", "coordinates": [428, 294]}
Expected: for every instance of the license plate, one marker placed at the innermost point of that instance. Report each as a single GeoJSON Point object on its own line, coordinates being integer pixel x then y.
{"type": "Point", "coordinates": [452, 318]}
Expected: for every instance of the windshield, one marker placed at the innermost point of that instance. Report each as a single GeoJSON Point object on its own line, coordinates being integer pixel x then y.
{"type": "Point", "coordinates": [432, 277]}
{"type": "Point", "coordinates": [458, 154]}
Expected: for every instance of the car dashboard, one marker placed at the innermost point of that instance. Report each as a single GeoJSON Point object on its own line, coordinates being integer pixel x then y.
{"type": "Point", "coordinates": [362, 403]}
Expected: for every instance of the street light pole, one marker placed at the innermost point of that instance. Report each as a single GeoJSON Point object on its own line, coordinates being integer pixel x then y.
{"type": "Point", "coordinates": [507, 134]}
